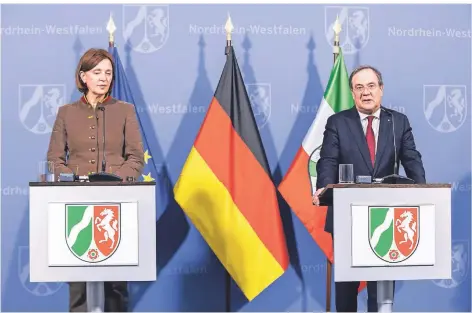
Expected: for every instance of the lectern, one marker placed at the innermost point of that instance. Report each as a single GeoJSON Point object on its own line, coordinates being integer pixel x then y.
{"type": "Point", "coordinates": [92, 232]}
{"type": "Point", "coordinates": [385, 233]}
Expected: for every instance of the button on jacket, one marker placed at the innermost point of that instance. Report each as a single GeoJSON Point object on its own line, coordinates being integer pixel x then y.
{"type": "Point", "coordinates": [76, 144]}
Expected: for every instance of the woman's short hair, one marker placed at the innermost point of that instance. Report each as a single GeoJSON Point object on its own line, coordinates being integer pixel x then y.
{"type": "Point", "coordinates": [88, 61]}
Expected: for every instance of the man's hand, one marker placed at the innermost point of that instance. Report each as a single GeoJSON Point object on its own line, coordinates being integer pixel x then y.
{"type": "Point", "coordinates": [316, 200]}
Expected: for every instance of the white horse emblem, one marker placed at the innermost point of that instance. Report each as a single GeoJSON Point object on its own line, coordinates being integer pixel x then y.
{"type": "Point", "coordinates": [403, 225]}
{"type": "Point", "coordinates": [457, 102]}
{"type": "Point", "coordinates": [109, 224]}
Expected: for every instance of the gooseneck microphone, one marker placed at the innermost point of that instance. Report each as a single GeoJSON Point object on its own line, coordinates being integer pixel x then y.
{"type": "Point", "coordinates": [394, 178]}
{"type": "Point", "coordinates": [103, 175]}
{"type": "Point", "coordinates": [395, 165]}
{"type": "Point", "coordinates": [104, 162]}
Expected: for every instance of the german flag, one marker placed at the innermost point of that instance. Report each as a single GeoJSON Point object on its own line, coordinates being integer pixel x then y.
{"type": "Point", "coordinates": [226, 189]}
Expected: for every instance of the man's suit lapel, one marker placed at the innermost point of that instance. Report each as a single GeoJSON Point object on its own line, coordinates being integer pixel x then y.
{"type": "Point", "coordinates": [385, 140]}
{"type": "Point", "coordinates": [358, 134]}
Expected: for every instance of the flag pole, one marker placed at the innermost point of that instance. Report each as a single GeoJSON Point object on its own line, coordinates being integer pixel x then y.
{"type": "Point", "coordinates": [229, 29]}
{"type": "Point", "coordinates": [329, 266]}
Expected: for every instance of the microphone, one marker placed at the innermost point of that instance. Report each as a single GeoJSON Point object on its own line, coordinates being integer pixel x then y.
{"type": "Point", "coordinates": [103, 176]}
{"type": "Point", "coordinates": [394, 178]}
{"type": "Point", "coordinates": [395, 165]}
{"type": "Point", "coordinates": [104, 162]}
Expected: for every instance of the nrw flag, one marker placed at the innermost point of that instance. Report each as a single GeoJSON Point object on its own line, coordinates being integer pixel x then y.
{"type": "Point", "coordinates": [299, 184]}
{"type": "Point", "coordinates": [226, 189]}
{"type": "Point", "coordinates": [122, 91]}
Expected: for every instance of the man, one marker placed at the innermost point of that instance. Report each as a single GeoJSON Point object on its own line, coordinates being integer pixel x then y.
{"type": "Point", "coordinates": [363, 136]}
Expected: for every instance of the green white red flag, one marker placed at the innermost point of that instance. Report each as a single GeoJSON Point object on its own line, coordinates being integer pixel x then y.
{"type": "Point", "coordinates": [299, 184]}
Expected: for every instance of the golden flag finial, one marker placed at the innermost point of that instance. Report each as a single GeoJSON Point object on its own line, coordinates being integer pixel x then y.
{"type": "Point", "coordinates": [229, 28]}
{"type": "Point", "coordinates": [111, 28]}
{"type": "Point", "coordinates": [337, 29]}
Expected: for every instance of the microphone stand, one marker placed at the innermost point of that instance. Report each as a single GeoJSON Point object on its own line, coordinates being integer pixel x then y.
{"type": "Point", "coordinates": [394, 178]}
{"type": "Point", "coordinates": [103, 175]}
{"type": "Point", "coordinates": [104, 162]}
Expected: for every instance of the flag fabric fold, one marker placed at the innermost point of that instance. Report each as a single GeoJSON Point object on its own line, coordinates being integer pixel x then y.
{"type": "Point", "coordinates": [299, 184]}
{"type": "Point", "coordinates": [122, 91]}
{"type": "Point", "coordinates": [226, 189]}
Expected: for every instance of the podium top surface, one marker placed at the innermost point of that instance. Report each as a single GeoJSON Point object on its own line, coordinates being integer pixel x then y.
{"type": "Point", "coordinates": [388, 186]}
{"type": "Point", "coordinates": [113, 183]}
{"type": "Point", "coordinates": [326, 196]}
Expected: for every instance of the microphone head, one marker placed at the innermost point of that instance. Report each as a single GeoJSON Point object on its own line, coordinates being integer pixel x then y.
{"type": "Point", "coordinates": [101, 108]}
{"type": "Point", "coordinates": [386, 110]}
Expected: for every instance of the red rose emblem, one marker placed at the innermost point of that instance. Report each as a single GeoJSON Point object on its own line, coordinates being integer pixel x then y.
{"type": "Point", "coordinates": [393, 254]}
{"type": "Point", "coordinates": [92, 254]}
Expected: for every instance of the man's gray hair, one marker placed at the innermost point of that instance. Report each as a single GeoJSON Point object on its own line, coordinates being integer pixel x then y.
{"type": "Point", "coordinates": [366, 67]}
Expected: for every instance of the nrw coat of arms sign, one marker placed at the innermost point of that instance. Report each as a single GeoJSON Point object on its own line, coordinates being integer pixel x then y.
{"type": "Point", "coordinates": [393, 232]}
{"type": "Point", "coordinates": [93, 232]}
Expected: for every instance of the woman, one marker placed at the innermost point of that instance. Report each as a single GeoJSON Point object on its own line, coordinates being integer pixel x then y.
{"type": "Point", "coordinates": [76, 146]}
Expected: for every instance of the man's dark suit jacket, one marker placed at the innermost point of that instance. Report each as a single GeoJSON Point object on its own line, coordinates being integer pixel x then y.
{"type": "Point", "coordinates": [344, 143]}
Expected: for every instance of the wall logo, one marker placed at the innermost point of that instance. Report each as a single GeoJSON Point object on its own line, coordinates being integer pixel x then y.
{"type": "Point", "coordinates": [260, 99]}
{"type": "Point", "coordinates": [460, 265]}
{"type": "Point", "coordinates": [93, 231]}
{"type": "Point", "coordinates": [38, 289]}
{"type": "Point", "coordinates": [146, 27]}
{"type": "Point", "coordinates": [445, 106]}
{"type": "Point", "coordinates": [355, 27]}
{"type": "Point", "coordinates": [38, 105]}
{"type": "Point", "coordinates": [393, 232]}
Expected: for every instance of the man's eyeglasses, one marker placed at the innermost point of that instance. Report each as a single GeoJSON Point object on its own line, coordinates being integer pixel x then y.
{"type": "Point", "coordinates": [361, 88]}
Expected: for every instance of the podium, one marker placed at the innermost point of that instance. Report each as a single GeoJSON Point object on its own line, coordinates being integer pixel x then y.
{"type": "Point", "coordinates": [92, 232]}
{"type": "Point", "coordinates": [388, 232]}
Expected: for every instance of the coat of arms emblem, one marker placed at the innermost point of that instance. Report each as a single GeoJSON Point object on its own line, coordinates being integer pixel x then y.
{"type": "Point", "coordinates": [93, 231]}
{"type": "Point", "coordinates": [393, 232]}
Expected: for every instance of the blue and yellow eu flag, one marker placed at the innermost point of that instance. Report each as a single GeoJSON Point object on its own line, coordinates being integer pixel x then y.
{"type": "Point", "coordinates": [122, 91]}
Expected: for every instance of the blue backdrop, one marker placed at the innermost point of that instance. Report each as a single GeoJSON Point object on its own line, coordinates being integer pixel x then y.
{"type": "Point", "coordinates": [173, 56]}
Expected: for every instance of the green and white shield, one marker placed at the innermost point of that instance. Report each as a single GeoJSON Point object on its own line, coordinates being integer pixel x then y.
{"type": "Point", "coordinates": [314, 157]}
